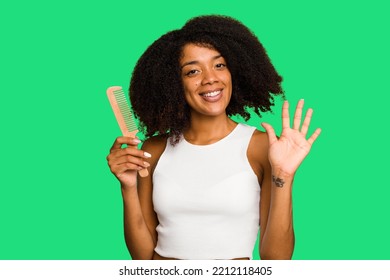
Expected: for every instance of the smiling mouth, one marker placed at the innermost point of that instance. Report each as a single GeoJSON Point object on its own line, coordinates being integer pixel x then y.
{"type": "Point", "coordinates": [211, 94]}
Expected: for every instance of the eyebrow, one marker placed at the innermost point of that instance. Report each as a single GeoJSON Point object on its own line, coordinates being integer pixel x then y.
{"type": "Point", "coordinates": [196, 62]}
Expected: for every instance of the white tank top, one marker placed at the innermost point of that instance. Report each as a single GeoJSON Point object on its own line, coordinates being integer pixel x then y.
{"type": "Point", "coordinates": [207, 199]}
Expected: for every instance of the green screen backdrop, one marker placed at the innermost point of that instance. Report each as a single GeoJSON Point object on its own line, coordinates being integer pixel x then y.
{"type": "Point", "coordinates": [58, 199]}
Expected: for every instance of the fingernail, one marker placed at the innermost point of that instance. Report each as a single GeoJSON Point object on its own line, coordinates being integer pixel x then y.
{"type": "Point", "coordinates": [146, 164]}
{"type": "Point", "coordinates": [146, 154]}
{"type": "Point", "coordinates": [135, 140]}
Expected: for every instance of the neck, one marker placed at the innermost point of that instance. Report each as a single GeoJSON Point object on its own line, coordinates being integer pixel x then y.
{"type": "Point", "coordinates": [206, 130]}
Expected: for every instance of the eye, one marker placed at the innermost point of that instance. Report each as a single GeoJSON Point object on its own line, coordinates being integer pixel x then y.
{"type": "Point", "coordinates": [220, 66]}
{"type": "Point", "coordinates": [191, 72]}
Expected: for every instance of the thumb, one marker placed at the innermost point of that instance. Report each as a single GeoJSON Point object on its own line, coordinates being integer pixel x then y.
{"type": "Point", "coordinates": [270, 132]}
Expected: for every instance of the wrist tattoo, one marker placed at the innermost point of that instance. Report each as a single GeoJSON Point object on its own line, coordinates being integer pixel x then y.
{"type": "Point", "coordinates": [278, 181]}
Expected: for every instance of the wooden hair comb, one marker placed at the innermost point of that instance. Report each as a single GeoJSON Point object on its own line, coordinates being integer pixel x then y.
{"type": "Point", "coordinates": [124, 116]}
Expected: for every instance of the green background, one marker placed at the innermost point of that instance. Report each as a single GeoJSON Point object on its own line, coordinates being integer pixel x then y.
{"type": "Point", "coordinates": [58, 199]}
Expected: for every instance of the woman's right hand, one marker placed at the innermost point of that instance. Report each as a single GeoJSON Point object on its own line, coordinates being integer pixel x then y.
{"type": "Point", "coordinates": [124, 163]}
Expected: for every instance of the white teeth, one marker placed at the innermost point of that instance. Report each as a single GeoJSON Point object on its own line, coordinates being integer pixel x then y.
{"type": "Point", "coordinates": [211, 94]}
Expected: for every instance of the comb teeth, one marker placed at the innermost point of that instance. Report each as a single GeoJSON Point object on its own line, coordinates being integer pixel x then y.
{"type": "Point", "coordinates": [125, 109]}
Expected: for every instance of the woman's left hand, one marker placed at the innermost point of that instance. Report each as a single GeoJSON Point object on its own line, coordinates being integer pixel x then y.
{"type": "Point", "coordinates": [287, 153]}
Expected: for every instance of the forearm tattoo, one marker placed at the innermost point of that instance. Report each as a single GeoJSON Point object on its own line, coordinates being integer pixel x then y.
{"type": "Point", "coordinates": [278, 181]}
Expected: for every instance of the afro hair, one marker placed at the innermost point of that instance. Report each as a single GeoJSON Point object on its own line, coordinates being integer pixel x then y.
{"type": "Point", "coordinates": [156, 89]}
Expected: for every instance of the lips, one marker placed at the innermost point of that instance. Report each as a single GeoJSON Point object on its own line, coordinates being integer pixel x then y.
{"type": "Point", "coordinates": [212, 96]}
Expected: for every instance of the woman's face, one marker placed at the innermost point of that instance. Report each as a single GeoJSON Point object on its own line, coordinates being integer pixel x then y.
{"type": "Point", "coordinates": [206, 79]}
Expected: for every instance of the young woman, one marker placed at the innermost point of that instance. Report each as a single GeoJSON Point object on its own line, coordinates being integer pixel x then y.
{"type": "Point", "coordinates": [213, 183]}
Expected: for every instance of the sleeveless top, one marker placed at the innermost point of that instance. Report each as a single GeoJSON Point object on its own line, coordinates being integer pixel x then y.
{"type": "Point", "coordinates": [207, 199]}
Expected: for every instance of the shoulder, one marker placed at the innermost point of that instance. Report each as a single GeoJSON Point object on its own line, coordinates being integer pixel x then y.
{"type": "Point", "coordinates": [155, 146]}
{"type": "Point", "coordinates": [156, 142]}
{"type": "Point", "coordinates": [259, 140]}
{"type": "Point", "coordinates": [258, 152]}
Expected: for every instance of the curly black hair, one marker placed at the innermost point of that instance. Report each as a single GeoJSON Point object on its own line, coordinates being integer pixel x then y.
{"type": "Point", "coordinates": [156, 89]}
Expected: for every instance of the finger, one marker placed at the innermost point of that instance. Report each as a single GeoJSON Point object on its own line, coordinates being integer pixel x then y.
{"type": "Point", "coordinates": [129, 151]}
{"type": "Point", "coordinates": [134, 152]}
{"type": "Point", "coordinates": [306, 122]}
{"type": "Point", "coordinates": [119, 141]}
{"type": "Point", "coordinates": [298, 115]}
{"type": "Point", "coordinates": [124, 163]}
{"type": "Point", "coordinates": [285, 115]}
{"type": "Point", "coordinates": [129, 159]}
{"type": "Point", "coordinates": [270, 132]}
{"type": "Point", "coordinates": [122, 168]}
{"type": "Point", "coordinates": [314, 136]}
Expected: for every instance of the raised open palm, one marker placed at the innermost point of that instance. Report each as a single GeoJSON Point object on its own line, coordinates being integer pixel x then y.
{"type": "Point", "coordinates": [288, 152]}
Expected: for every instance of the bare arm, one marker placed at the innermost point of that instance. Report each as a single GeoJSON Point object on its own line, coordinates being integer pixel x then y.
{"type": "Point", "coordinates": [140, 240]}
{"type": "Point", "coordinates": [139, 218]}
{"type": "Point", "coordinates": [284, 157]}
{"type": "Point", "coordinates": [276, 222]}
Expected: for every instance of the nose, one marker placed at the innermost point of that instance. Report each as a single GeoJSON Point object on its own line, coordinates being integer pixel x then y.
{"type": "Point", "coordinates": [209, 77]}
